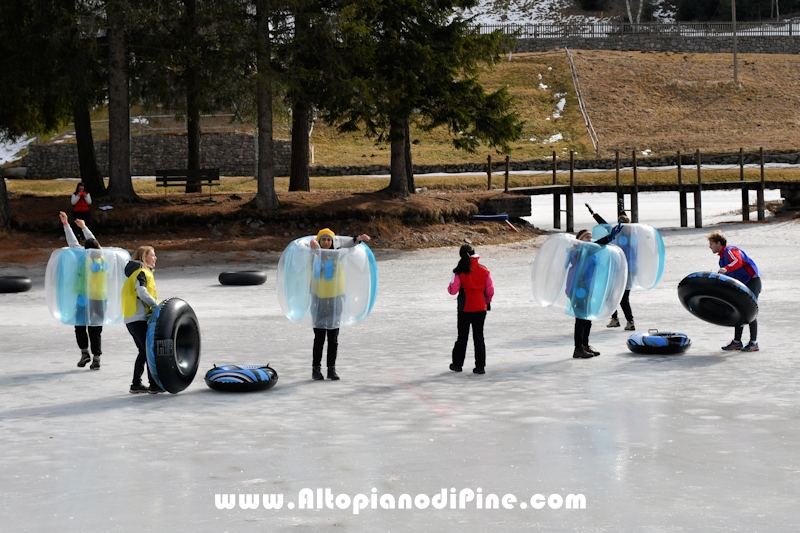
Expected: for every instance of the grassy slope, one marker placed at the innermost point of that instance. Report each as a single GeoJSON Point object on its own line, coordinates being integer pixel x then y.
{"type": "Point", "coordinates": [658, 101]}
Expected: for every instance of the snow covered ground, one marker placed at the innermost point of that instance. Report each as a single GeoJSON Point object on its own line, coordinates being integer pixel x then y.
{"type": "Point", "coordinates": [545, 12]}
{"type": "Point", "coordinates": [696, 442]}
{"type": "Point", "coordinates": [9, 149]}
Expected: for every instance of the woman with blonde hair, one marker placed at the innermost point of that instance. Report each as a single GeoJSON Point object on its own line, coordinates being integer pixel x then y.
{"type": "Point", "coordinates": [139, 297]}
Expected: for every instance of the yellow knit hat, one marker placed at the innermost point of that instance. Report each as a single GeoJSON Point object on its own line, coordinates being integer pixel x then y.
{"type": "Point", "coordinates": [326, 231]}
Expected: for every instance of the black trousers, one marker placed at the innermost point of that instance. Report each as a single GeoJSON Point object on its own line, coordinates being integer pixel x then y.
{"type": "Point", "coordinates": [138, 331]}
{"type": "Point", "coordinates": [625, 304]}
{"type": "Point", "coordinates": [93, 335]}
{"type": "Point", "coordinates": [754, 285]}
{"type": "Point", "coordinates": [465, 321]}
{"type": "Point", "coordinates": [582, 329]}
{"type": "Point", "coordinates": [319, 342]}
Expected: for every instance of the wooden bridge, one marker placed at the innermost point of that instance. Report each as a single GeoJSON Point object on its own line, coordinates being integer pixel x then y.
{"type": "Point", "coordinates": [632, 192]}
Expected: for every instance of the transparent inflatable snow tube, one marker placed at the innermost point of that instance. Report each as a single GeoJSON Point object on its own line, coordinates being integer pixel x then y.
{"type": "Point", "coordinates": [644, 251]}
{"type": "Point", "coordinates": [327, 288]}
{"type": "Point", "coordinates": [577, 278]}
{"type": "Point", "coordinates": [83, 287]}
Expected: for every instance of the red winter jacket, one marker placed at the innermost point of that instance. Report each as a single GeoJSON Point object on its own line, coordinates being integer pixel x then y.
{"type": "Point", "coordinates": [477, 287]}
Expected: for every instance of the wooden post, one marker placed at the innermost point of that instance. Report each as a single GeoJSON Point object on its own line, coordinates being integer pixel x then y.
{"type": "Point", "coordinates": [698, 201]}
{"type": "Point", "coordinates": [570, 198]}
{"type": "Point", "coordinates": [745, 191]}
{"type": "Point", "coordinates": [635, 194]}
{"type": "Point", "coordinates": [508, 165]}
{"type": "Point", "coordinates": [556, 197]}
{"type": "Point", "coordinates": [760, 192]}
{"type": "Point", "coordinates": [682, 195]}
{"type": "Point", "coordinates": [620, 194]}
{"type": "Point", "coordinates": [489, 172]}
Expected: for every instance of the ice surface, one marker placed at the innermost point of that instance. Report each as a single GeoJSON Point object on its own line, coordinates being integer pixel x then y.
{"type": "Point", "coordinates": [697, 442]}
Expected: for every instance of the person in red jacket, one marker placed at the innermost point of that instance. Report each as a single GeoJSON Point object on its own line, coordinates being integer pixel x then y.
{"type": "Point", "coordinates": [472, 282]}
{"type": "Point", "coordinates": [81, 200]}
{"type": "Point", "coordinates": [734, 262]}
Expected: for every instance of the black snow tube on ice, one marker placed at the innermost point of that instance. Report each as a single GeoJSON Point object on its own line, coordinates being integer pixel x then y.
{"type": "Point", "coordinates": [655, 343]}
{"type": "Point", "coordinates": [719, 299]}
{"type": "Point", "coordinates": [247, 277]}
{"type": "Point", "coordinates": [173, 344]}
{"type": "Point", "coordinates": [14, 283]}
{"type": "Point", "coordinates": [241, 378]}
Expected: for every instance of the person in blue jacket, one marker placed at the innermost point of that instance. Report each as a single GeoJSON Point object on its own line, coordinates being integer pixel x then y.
{"type": "Point", "coordinates": [735, 263]}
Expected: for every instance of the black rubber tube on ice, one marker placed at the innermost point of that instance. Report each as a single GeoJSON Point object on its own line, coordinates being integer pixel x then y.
{"type": "Point", "coordinates": [247, 277]}
{"type": "Point", "coordinates": [718, 299]}
{"type": "Point", "coordinates": [176, 345]}
{"type": "Point", "coordinates": [15, 283]}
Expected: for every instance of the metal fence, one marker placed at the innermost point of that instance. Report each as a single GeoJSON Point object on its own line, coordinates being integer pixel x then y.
{"type": "Point", "coordinates": [787, 28]}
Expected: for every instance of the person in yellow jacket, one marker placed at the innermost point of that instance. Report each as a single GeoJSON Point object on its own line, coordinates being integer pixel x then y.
{"type": "Point", "coordinates": [90, 284]}
{"type": "Point", "coordinates": [327, 298]}
{"type": "Point", "coordinates": [139, 297]}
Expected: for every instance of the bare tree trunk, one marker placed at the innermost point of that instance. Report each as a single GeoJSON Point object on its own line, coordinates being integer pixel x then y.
{"type": "Point", "coordinates": [5, 207]}
{"type": "Point", "coordinates": [638, 15]}
{"type": "Point", "coordinates": [192, 104]}
{"type": "Point", "coordinates": [120, 187]}
{"type": "Point", "coordinates": [298, 175]}
{"type": "Point", "coordinates": [87, 161]}
{"type": "Point", "coordinates": [409, 164]}
{"type": "Point", "coordinates": [398, 182]}
{"type": "Point", "coordinates": [266, 200]}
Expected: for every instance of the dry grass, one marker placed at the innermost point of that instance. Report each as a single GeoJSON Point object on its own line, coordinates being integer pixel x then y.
{"type": "Point", "coordinates": [671, 101]}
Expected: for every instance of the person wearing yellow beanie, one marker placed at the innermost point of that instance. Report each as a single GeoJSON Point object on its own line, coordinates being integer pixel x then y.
{"type": "Point", "coordinates": [327, 299]}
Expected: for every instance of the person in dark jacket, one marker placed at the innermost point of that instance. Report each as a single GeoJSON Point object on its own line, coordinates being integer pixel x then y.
{"type": "Point", "coordinates": [472, 282]}
{"type": "Point", "coordinates": [583, 350]}
{"type": "Point", "coordinates": [625, 303]}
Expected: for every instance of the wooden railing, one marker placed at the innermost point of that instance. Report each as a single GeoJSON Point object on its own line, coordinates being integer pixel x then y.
{"type": "Point", "coordinates": [788, 28]}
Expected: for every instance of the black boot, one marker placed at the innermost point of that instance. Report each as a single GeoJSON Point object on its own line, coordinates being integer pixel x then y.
{"type": "Point", "coordinates": [315, 373]}
{"type": "Point", "coordinates": [332, 373]}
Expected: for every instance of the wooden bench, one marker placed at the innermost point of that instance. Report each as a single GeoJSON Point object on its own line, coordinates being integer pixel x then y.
{"type": "Point", "coordinates": [183, 178]}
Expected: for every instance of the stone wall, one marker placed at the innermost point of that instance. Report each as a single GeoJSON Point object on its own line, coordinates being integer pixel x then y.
{"type": "Point", "coordinates": [232, 153]}
{"type": "Point", "coordinates": [652, 42]}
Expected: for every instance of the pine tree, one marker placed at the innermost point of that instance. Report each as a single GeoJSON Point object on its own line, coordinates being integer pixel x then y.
{"type": "Point", "coordinates": [404, 60]}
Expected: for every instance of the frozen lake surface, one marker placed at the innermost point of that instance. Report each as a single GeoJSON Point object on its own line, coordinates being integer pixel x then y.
{"type": "Point", "coordinates": [705, 441]}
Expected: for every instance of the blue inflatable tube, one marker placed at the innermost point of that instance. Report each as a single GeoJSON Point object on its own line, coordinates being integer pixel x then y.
{"type": "Point", "coordinates": [327, 288]}
{"type": "Point", "coordinates": [580, 279]}
{"type": "Point", "coordinates": [241, 378]}
{"type": "Point", "coordinates": [644, 252]}
{"type": "Point", "coordinates": [655, 343]}
{"type": "Point", "coordinates": [83, 287]}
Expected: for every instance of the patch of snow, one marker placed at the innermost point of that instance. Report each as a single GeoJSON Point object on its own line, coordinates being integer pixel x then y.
{"type": "Point", "coordinates": [542, 86]}
{"type": "Point", "coordinates": [560, 108]}
{"type": "Point", "coordinates": [555, 138]}
{"type": "Point", "coordinates": [545, 12]}
{"type": "Point", "coordinates": [540, 76]}
{"type": "Point", "coordinates": [139, 120]}
{"type": "Point", "coordinates": [9, 150]}
{"type": "Point", "coordinates": [647, 152]}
